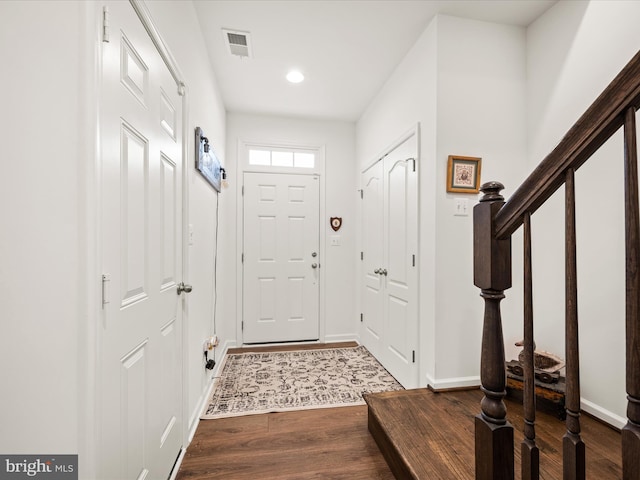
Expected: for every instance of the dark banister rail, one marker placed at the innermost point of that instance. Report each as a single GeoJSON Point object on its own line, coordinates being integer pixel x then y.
{"type": "Point", "coordinates": [494, 223]}
{"type": "Point", "coordinates": [603, 118]}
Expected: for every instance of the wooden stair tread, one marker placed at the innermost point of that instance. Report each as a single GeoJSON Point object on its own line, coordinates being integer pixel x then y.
{"type": "Point", "coordinates": [423, 434]}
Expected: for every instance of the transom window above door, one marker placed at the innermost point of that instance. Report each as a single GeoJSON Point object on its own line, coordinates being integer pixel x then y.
{"type": "Point", "coordinates": [281, 157]}
{"type": "Point", "coordinates": [278, 157]}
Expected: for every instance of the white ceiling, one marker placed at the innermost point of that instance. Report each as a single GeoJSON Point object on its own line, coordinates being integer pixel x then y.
{"type": "Point", "coordinates": [346, 49]}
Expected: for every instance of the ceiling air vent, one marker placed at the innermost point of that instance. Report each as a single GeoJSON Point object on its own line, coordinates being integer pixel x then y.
{"type": "Point", "coordinates": [238, 43]}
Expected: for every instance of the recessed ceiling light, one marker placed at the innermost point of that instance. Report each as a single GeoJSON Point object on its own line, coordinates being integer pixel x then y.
{"type": "Point", "coordinates": [294, 76]}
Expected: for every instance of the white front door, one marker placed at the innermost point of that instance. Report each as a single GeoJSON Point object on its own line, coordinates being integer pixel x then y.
{"type": "Point", "coordinates": [390, 274]}
{"type": "Point", "coordinates": [281, 264]}
{"type": "Point", "coordinates": [140, 384]}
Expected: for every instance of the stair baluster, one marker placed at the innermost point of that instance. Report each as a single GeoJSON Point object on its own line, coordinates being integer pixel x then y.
{"type": "Point", "coordinates": [530, 466]}
{"type": "Point", "coordinates": [631, 431]}
{"type": "Point", "coordinates": [573, 448]}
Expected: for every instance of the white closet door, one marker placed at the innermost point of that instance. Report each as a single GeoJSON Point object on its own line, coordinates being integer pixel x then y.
{"type": "Point", "coordinates": [140, 373]}
{"type": "Point", "coordinates": [400, 270]}
{"type": "Point", "coordinates": [389, 265]}
{"type": "Point", "coordinates": [373, 259]}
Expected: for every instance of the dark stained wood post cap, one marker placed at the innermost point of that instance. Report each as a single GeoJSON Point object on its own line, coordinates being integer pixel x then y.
{"type": "Point", "coordinates": [491, 191]}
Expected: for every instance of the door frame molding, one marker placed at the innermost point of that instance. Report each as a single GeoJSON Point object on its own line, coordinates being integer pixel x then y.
{"type": "Point", "coordinates": [91, 349]}
{"type": "Point", "coordinates": [243, 167]}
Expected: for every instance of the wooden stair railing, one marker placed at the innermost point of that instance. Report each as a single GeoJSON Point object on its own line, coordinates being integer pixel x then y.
{"type": "Point", "coordinates": [494, 222]}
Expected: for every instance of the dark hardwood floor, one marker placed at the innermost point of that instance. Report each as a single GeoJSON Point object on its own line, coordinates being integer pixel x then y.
{"type": "Point", "coordinates": [430, 435]}
{"type": "Point", "coordinates": [335, 443]}
{"type": "Point", "coordinates": [331, 443]}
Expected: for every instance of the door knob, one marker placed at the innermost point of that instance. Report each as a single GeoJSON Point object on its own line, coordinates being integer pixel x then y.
{"type": "Point", "coordinates": [384, 272]}
{"type": "Point", "coordinates": [184, 288]}
{"type": "Point", "coordinates": [314, 254]}
{"type": "Point", "coordinates": [314, 265]}
{"type": "Point", "coordinates": [377, 270]}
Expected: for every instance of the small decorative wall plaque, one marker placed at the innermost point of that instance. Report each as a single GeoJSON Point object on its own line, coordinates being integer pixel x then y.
{"type": "Point", "coordinates": [336, 223]}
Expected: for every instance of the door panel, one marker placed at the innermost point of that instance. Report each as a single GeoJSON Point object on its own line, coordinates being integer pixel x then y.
{"type": "Point", "coordinates": [372, 237]}
{"type": "Point", "coordinates": [281, 232]}
{"type": "Point", "coordinates": [141, 334]}
{"type": "Point", "coordinates": [400, 221]}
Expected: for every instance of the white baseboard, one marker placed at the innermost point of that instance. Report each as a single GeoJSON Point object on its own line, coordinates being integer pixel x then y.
{"type": "Point", "coordinates": [605, 415]}
{"type": "Point", "coordinates": [176, 467]}
{"type": "Point", "coordinates": [194, 419]}
{"type": "Point", "coordinates": [350, 337]}
{"type": "Point", "coordinates": [589, 407]}
{"type": "Point", "coordinates": [449, 383]}
{"type": "Point", "coordinates": [227, 345]}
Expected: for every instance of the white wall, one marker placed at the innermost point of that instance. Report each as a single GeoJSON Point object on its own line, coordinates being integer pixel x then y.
{"type": "Point", "coordinates": [48, 255]}
{"type": "Point", "coordinates": [464, 81]}
{"type": "Point", "coordinates": [574, 50]}
{"type": "Point", "coordinates": [409, 98]}
{"type": "Point", "coordinates": [481, 112]}
{"type": "Point", "coordinates": [179, 25]}
{"type": "Point", "coordinates": [41, 278]}
{"type": "Point", "coordinates": [338, 264]}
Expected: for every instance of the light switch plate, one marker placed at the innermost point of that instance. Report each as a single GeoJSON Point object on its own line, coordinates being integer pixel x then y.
{"type": "Point", "coordinates": [461, 207]}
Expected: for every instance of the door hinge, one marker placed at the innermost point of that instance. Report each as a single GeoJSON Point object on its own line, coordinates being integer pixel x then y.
{"type": "Point", "coordinates": [106, 281]}
{"type": "Point", "coordinates": [361, 193]}
{"type": "Point", "coordinates": [413, 356]}
{"type": "Point", "coordinates": [361, 255]}
{"type": "Point", "coordinates": [242, 257]}
{"type": "Point", "coordinates": [413, 261]}
{"type": "Point", "coordinates": [243, 190]}
{"type": "Point", "coordinates": [105, 24]}
{"type": "Point", "coordinates": [362, 317]}
{"type": "Point", "coordinates": [242, 325]}
{"type": "Point", "coordinates": [414, 163]}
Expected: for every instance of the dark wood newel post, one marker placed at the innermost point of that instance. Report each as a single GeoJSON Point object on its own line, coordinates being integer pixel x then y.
{"type": "Point", "coordinates": [492, 274]}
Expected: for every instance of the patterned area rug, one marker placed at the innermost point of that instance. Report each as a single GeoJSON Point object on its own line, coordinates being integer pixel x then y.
{"type": "Point", "coordinates": [253, 383]}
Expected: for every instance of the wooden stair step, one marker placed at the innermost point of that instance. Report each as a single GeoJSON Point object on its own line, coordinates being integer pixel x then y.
{"type": "Point", "coordinates": [423, 434]}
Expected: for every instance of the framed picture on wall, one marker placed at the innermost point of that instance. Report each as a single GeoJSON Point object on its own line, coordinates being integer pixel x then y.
{"type": "Point", "coordinates": [206, 161]}
{"type": "Point", "coordinates": [463, 174]}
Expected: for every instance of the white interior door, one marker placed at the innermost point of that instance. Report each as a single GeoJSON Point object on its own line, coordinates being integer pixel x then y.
{"type": "Point", "coordinates": [281, 265]}
{"type": "Point", "coordinates": [373, 259]}
{"type": "Point", "coordinates": [400, 271]}
{"type": "Point", "coordinates": [141, 334]}
{"type": "Point", "coordinates": [390, 274]}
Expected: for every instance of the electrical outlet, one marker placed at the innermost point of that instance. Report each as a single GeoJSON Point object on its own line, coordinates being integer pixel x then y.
{"type": "Point", "coordinates": [210, 343]}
